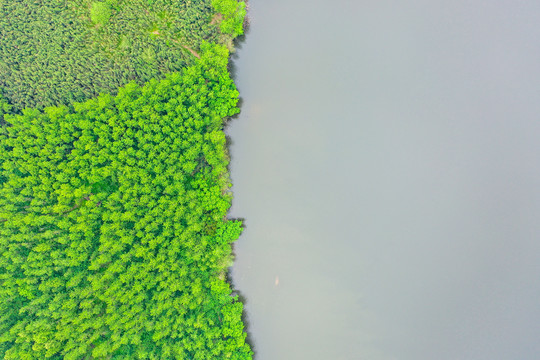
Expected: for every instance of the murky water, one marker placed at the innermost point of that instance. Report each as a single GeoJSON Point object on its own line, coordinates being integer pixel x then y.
{"type": "Point", "coordinates": [387, 162]}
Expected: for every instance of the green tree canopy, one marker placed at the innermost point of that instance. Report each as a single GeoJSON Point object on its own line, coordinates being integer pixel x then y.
{"type": "Point", "coordinates": [233, 13]}
{"type": "Point", "coordinates": [56, 52]}
{"type": "Point", "coordinates": [114, 240]}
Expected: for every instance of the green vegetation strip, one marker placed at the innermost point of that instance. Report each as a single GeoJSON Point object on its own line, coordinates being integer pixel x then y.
{"type": "Point", "coordinates": [114, 241]}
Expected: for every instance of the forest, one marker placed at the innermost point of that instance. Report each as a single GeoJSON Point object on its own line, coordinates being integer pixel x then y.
{"type": "Point", "coordinates": [59, 51]}
{"type": "Point", "coordinates": [114, 186]}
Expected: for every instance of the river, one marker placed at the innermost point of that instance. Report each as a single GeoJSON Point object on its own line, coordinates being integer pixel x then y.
{"type": "Point", "coordinates": [387, 163]}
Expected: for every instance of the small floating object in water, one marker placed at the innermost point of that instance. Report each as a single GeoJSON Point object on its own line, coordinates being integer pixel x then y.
{"type": "Point", "coordinates": [277, 280]}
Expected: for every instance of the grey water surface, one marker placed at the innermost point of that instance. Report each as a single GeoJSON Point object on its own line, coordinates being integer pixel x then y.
{"type": "Point", "coordinates": [387, 163]}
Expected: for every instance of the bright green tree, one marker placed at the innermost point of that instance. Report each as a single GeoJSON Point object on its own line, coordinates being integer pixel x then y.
{"type": "Point", "coordinates": [114, 240]}
{"type": "Point", "coordinates": [233, 13]}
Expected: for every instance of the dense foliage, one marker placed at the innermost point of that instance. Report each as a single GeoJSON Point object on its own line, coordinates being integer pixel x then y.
{"type": "Point", "coordinates": [113, 236]}
{"type": "Point", "coordinates": [54, 52]}
{"type": "Point", "coordinates": [233, 14]}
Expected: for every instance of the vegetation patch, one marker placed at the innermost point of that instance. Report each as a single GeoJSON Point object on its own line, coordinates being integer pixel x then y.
{"type": "Point", "coordinates": [60, 51]}
{"type": "Point", "coordinates": [100, 13]}
{"type": "Point", "coordinates": [114, 189]}
{"type": "Point", "coordinates": [113, 231]}
{"type": "Point", "coordinates": [233, 15]}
